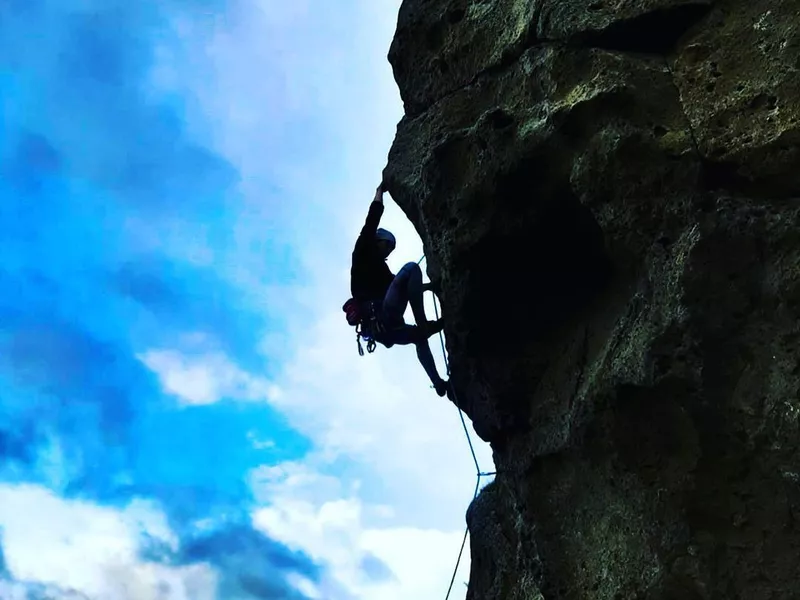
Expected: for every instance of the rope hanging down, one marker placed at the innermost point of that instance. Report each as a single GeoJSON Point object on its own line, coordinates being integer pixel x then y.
{"type": "Point", "coordinates": [480, 474]}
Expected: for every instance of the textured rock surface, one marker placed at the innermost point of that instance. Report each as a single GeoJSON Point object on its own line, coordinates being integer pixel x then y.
{"type": "Point", "coordinates": [609, 193]}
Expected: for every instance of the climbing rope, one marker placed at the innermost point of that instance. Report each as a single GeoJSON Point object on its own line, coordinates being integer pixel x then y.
{"type": "Point", "coordinates": [480, 474]}
{"type": "Point", "coordinates": [455, 399]}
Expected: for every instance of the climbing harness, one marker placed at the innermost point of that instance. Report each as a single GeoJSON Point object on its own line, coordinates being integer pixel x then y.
{"type": "Point", "coordinates": [364, 317]}
{"type": "Point", "coordinates": [480, 474]}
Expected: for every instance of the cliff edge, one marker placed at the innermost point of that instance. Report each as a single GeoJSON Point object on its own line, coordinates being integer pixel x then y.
{"type": "Point", "coordinates": [608, 192]}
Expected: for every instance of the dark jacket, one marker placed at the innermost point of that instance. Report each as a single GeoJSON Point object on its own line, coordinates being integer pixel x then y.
{"type": "Point", "coordinates": [370, 276]}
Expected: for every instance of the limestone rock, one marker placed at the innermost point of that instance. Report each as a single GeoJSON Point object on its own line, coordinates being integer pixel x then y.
{"type": "Point", "coordinates": [739, 80]}
{"type": "Point", "coordinates": [608, 192]}
{"type": "Point", "coordinates": [504, 559]}
{"type": "Point", "coordinates": [441, 45]}
{"type": "Point", "coordinates": [639, 26]}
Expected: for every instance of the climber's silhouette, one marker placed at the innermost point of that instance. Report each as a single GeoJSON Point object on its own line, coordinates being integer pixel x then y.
{"type": "Point", "coordinates": [379, 298]}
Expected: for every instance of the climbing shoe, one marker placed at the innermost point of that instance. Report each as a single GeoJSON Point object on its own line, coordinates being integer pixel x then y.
{"type": "Point", "coordinates": [433, 327]}
{"type": "Point", "coordinates": [442, 387]}
{"type": "Point", "coordinates": [432, 286]}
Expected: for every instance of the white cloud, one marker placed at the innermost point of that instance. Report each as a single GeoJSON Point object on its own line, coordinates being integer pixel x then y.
{"type": "Point", "coordinates": [258, 443]}
{"type": "Point", "coordinates": [334, 532]}
{"type": "Point", "coordinates": [92, 549]}
{"type": "Point", "coordinates": [422, 560]}
{"type": "Point", "coordinates": [18, 590]}
{"type": "Point", "coordinates": [305, 586]}
{"type": "Point", "coordinates": [205, 378]}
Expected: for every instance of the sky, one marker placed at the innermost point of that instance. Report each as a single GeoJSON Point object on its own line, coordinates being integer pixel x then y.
{"type": "Point", "coordinates": [183, 411]}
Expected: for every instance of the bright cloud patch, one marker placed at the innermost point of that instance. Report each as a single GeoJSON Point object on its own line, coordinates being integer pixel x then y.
{"type": "Point", "coordinates": [82, 548]}
{"type": "Point", "coordinates": [380, 561]}
{"type": "Point", "coordinates": [205, 379]}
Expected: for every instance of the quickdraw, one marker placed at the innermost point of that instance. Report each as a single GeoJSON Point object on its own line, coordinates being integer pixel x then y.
{"type": "Point", "coordinates": [371, 345]}
{"type": "Point", "coordinates": [369, 328]}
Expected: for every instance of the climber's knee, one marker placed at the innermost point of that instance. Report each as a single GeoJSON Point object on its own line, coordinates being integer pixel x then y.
{"type": "Point", "coordinates": [410, 269]}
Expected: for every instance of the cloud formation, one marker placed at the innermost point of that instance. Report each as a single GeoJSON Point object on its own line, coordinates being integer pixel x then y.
{"type": "Point", "coordinates": [110, 210]}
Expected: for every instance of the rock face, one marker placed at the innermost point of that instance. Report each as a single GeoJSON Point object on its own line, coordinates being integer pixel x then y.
{"type": "Point", "coordinates": [609, 193]}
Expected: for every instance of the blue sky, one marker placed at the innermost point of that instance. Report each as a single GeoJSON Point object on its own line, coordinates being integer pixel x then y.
{"type": "Point", "coordinates": [183, 412]}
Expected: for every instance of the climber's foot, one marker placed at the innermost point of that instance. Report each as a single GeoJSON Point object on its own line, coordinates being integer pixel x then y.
{"type": "Point", "coordinates": [432, 286]}
{"type": "Point", "coordinates": [433, 327]}
{"type": "Point", "coordinates": [442, 387]}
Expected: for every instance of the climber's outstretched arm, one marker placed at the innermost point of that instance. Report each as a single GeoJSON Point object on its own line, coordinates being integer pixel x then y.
{"type": "Point", "coordinates": [374, 215]}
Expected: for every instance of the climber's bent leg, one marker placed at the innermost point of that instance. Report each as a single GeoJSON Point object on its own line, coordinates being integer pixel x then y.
{"type": "Point", "coordinates": [405, 288]}
{"type": "Point", "coordinates": [411, 334]}
{"type": "Point", "coordinates": [425, 358]}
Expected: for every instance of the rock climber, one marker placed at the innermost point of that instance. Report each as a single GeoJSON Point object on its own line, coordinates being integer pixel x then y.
{"type": "Point", "coordinates": [379, 298]}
